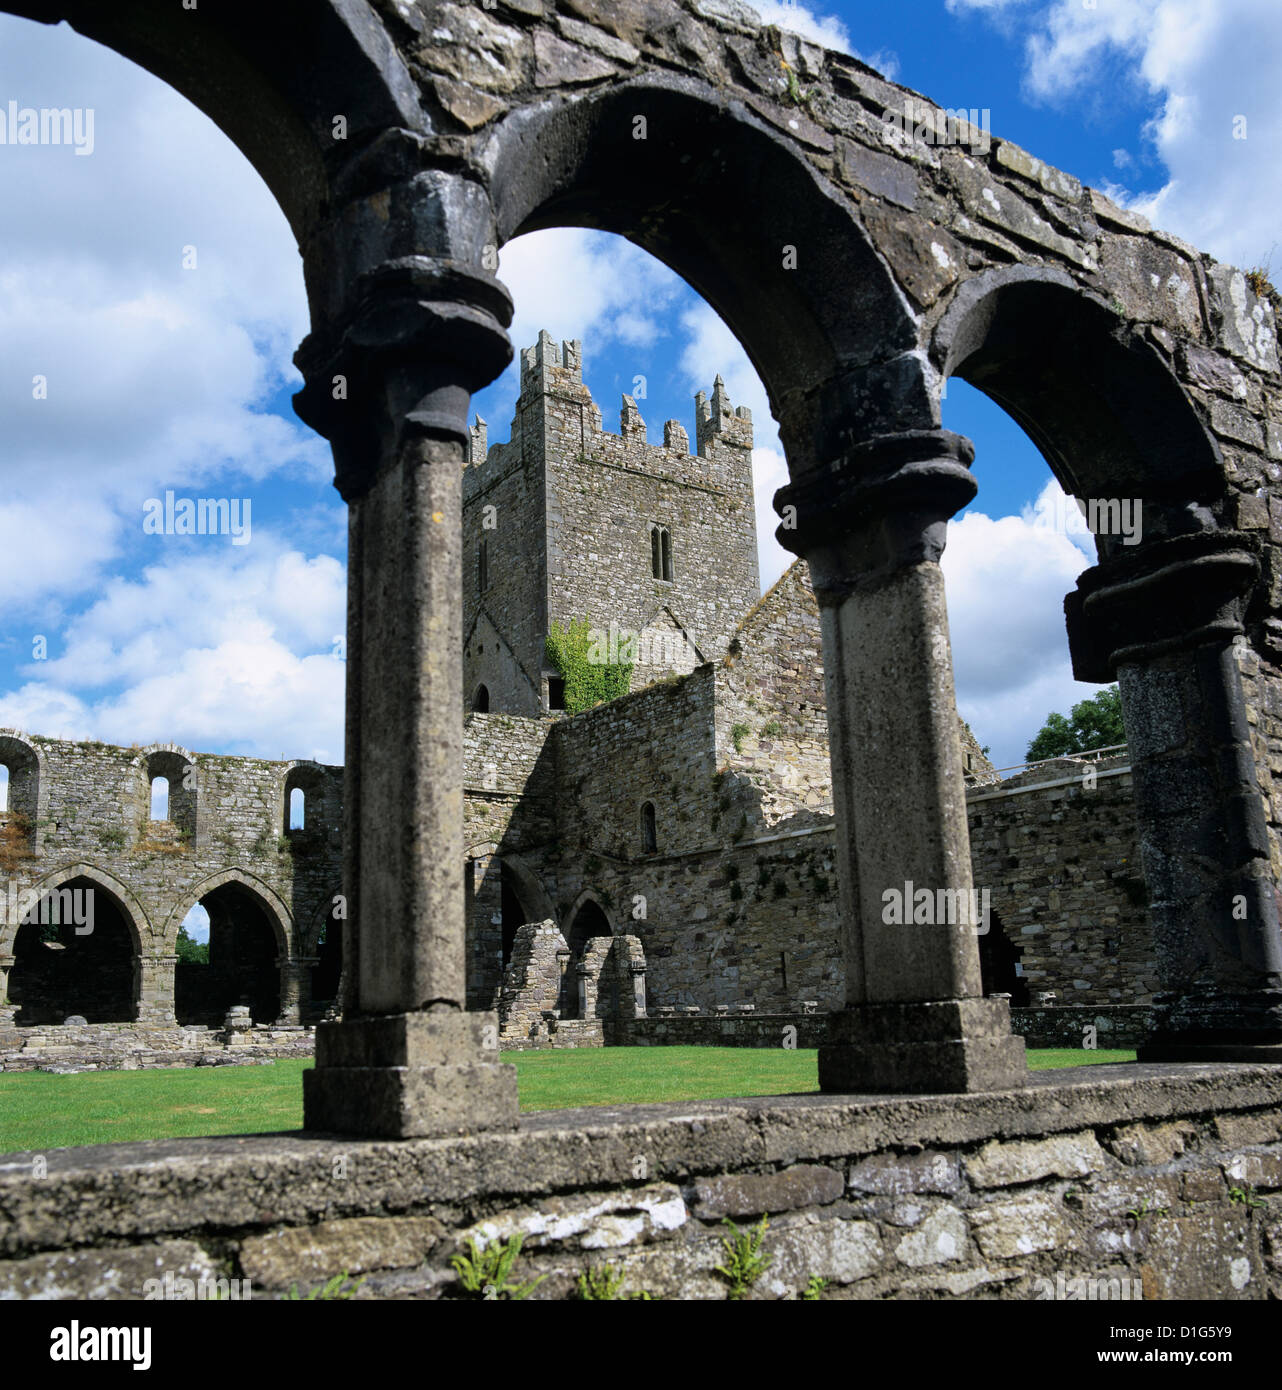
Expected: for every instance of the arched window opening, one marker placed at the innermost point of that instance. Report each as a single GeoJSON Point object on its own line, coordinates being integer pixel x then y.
{"type": "Point", "coordinates": [160, 798]}
{"type": "Point", "coordinates": [297, 809]}
{"type": "Point", "coordinates": [483, 565]}
{"type": "Point", "coordinates": [661, 552]}
{"type": "Point", "coordinates": [649, 831]}
{"type": "Point", "coordinates": [4, 789]}
{"type": "Point", "coordinates": [235, 963]}
{"type": "Point", "coordinates": [481, 700]}
{"type": "Point", "coordinates": [74, 957]}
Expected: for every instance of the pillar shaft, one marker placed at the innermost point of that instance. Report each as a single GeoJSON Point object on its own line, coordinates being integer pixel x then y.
{"type": "Point", "coordinates": [1164, 623]}
{"type": "Point", "coordinates": [389, 381]}
{"type": "Point", "coordinates": [154, 989]}
{"type": "Point", "coordinates": [872, 527]}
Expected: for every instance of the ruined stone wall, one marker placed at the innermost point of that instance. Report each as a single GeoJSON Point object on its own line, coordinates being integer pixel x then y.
{"type": "Point", "coordinates": [1156, 1183]}
{"type": "Point", "coordinates": [1061, 861]}
{"type": "Point", "coordinates": [93, 823]}
{"type": "Point", "coordinates": [772, 723]}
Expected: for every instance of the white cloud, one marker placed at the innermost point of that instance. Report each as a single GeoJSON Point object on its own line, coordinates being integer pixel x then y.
{"type": "Point", "coordinates": [224, 648]}
{"type": "Point", "coordinates": [1006, 580]}
{"type": "Point", "coordinates": [155, 375]}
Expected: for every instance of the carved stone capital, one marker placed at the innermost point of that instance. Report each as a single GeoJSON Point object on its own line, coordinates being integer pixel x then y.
{"type": "Point", "coordinates": [880, 507]}
{"type": "Point", "coordinates": [1168, 596]}
{"type": "Point", "coordinates": [421, 334]}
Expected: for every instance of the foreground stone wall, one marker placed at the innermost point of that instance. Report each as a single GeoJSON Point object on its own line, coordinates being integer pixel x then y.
{"type": "Point", "coordinates": [1161, 1183]}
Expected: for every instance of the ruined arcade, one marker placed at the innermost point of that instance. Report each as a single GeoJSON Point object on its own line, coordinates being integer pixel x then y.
{"type": "Point", "coordinates": [860, 266]}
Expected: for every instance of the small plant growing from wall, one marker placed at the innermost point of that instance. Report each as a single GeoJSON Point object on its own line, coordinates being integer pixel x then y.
{"type": "Point", "coordinates": [589, 680]}
{"type": "Point", "coordinates": [605, 1285]}
{"type": "Point", "coordinates": [814, 1289]}
{"type": "Point", "coordinates": [738, 734]}
{"type": "Point", "coordinates": [744, 1262]}
{"type": "Point", "coordinates": [332, 1290]}
{"type": "Point", "coordinates": [486, 1274]}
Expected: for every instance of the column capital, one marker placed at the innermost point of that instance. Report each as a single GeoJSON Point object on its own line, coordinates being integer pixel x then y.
{"type": "Point", "coordinates": [881, 506]}
{"type": "Point", "coordinates": [1169, 595]}
{"type": "Point", "coordinates": [419, 335]}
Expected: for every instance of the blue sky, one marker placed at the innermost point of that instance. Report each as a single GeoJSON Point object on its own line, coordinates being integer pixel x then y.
{"type": "Point", "coordinates": [157, 289]}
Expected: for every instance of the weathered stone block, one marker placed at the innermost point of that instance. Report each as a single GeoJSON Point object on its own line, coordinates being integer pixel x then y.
{"type": "Point", "coordinates": [1002, 1164]}
{"type": "Point", "coordinates": [111, 1273]}
{"type": "Point", "coordinates": [304, 1255]}
{"type": "Point", "coordinates": [896, 1174]}
{"type": "Point", "coordinates": [1022, 1226]}
{"type": "Point", "coordinates": [942, 1237]}
{"type": "Point", "coordinates": [805, 1185]}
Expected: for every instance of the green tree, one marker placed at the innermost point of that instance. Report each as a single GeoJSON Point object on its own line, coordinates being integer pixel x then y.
{"type": "Point", "coordinates": [1094, 723]}
{"type": "Point", "coordinates": [577, 652]}
{"type": "Point", "coordinates": [193, 952]}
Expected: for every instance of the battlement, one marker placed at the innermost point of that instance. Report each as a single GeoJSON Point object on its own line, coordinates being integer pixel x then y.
{"type": "Point", "coordinates": [549, 369]}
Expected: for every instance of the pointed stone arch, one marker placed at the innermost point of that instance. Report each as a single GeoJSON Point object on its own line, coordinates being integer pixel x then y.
{"type": "Point", "coordinates": [278, 913]}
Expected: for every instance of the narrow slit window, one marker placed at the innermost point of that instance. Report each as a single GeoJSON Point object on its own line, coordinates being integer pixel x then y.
{"type": "Point", "coordinates": [665, 537]}
{"type": "Point", "coordinates": [656, 553]}
{"type": "Point", "coordinates": [160, 798]}
{"type": "Point", "coordinates": [649, 832]}
{"type": "Point", "coordinates": [297, 809]}
{"type": "Point", "coordinates": [556, 692]}
{"type": "Point", "coordinates": [4, 789]}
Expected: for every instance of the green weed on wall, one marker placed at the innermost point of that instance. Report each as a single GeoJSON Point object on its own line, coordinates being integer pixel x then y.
{"type": "Point", "coordinates": [587, 681]}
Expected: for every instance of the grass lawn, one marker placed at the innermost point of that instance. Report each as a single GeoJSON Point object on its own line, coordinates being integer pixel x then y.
{"type": "Point", "coordinates": [43, 1111]}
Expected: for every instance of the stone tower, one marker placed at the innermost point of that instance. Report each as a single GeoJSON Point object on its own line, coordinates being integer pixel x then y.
{"type": "Point", "coordinates": [568, 521]}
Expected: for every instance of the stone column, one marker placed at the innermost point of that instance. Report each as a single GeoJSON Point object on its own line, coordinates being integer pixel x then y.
{"type": "Point", "coordinates": [1163, 621]}
{"type": "Point", "coordinates": [636, 969]}
{"type": "Point", "coordinates": [872, 527]}
{"type": "Point", "coordinates": [291, 971]}
{"type": "Point", "coordinates": [306, 964]}
{"type": "Point", "coordinates": [389, 378]}
{"type": "Point", "coordinates": [154, 989]}
{"type": "Point", "coordinates": [8, 1012]}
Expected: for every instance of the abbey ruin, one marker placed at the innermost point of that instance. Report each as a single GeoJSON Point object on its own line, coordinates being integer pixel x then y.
{"type": "Point", "coordinates": [860, 264]}
{"type": "Point", "coordinates": [669, 853]}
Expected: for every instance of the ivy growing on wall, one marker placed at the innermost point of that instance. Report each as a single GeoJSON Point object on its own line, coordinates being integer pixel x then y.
{"type": "Point", "coordinates": [578, 658]}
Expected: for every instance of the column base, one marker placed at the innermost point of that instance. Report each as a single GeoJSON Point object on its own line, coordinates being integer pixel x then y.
{"type": "Point", "coordinates": [953, 1045]}
{"type": "Point", "coordinates": [409, 1076]}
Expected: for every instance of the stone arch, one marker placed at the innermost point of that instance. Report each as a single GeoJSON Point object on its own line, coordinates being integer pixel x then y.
{"type": "Point", "coordinates": [244, 966]}
{"type": "Point", "coordinates": [271, 78]}
{"type": "Point", "coordinates": [136, 919]}
{"type": "Point", "coordinates": [278, 914]}
{"type": "Point", "coordinates": [736, 193]}
{"type": "Point", "coordinates": [28, 794]}
{"type": "Point", "coordinates": [98, 973]}
{"type": "Point", "coordinates": [1097, 398]}
{"type": "Point", "coordinates": [535, 902]}
{"type": "Point", "coordinates": [590, 901]}
{"type": "Point", "coordinates": [321, 808]}
{"type": "Point", "coordinates": [179, 767]}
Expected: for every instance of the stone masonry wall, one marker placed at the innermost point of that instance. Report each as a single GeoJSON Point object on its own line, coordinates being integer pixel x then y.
{"type": "Point", "coordinates": [566, 509]}
{"type": "Point", "coordinates": [229, 827]}
{"type": "Point", "coordinates": [1057, 848]}
{"type": "Point", "coordinates": [1155, 1183]}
